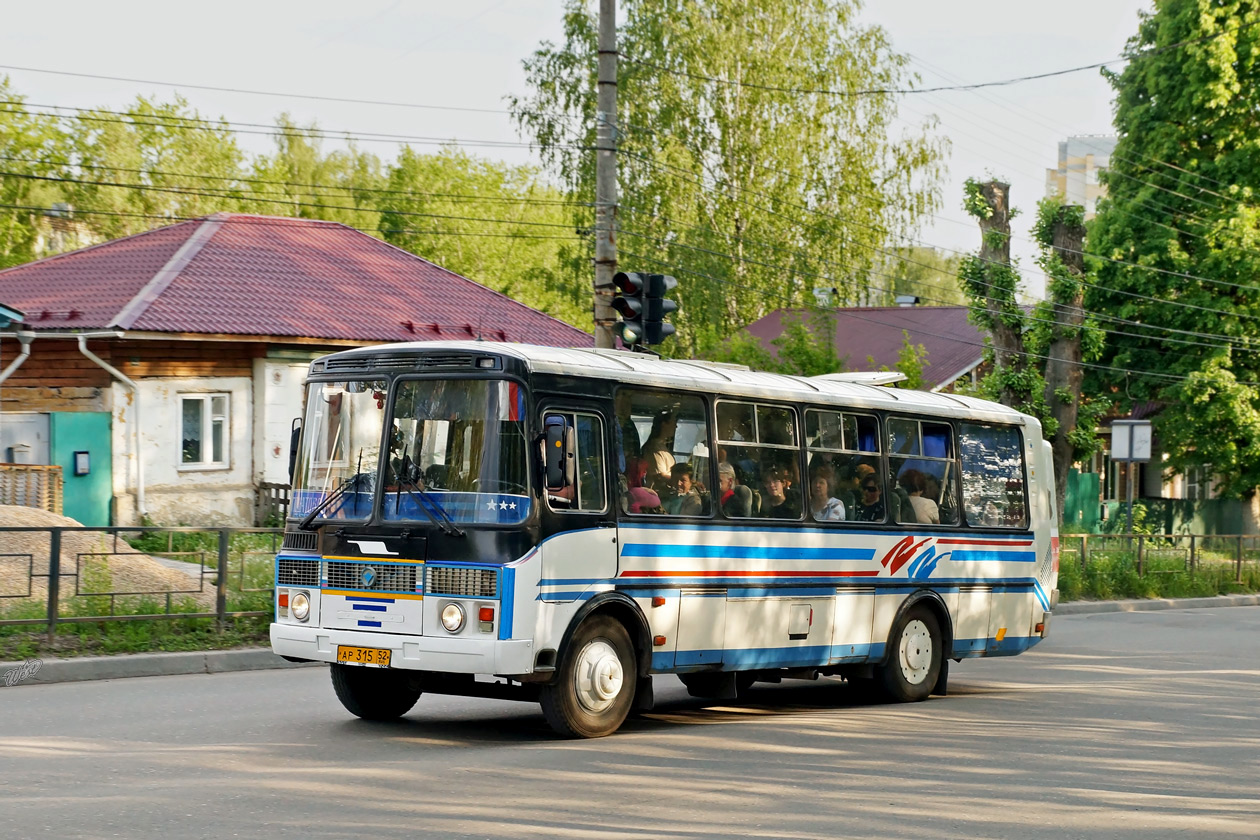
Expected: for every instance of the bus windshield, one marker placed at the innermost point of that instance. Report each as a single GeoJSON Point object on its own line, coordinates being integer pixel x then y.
{"type": "Point", "coordinates": [458, 451]}
{"type": "Point", "coordinates": [337, 466]}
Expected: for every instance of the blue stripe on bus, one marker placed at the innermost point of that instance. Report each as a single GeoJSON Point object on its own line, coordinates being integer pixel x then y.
{"type": "Point", "coordinates": [507, 590]}
{"type": "Point", "coordinates": [371, 600]}
{"type": "Point", "coordinates": [746, 552]}
{"type": "Point", "coordinates": [370, 607]}
{"type": "Point", "coordinates": [965, 556]}
{"type": "Point", "coordinates": [584, 595]}
{"type": "Point", "coordinates": [369, 624]}
{"type": "Point", "coordinates": [827, 528]}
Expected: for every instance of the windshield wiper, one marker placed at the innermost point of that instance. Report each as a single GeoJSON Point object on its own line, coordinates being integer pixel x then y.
{"type": "Point", "coordinates": [341, 489]}
{"type": "Point", "coordinates": [438, 515]}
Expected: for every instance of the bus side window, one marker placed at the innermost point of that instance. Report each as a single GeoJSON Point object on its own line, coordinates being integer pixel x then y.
{"type": "Point", "coordinates": [993, 471]}
{"type": "Point", "coordinates": [588, 491]}
{"type": "Point", "coordinates": [661, 443]}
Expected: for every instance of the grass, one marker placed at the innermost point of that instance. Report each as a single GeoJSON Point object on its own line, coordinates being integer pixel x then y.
{"type": "Point", "coordinates": [1111, 575]}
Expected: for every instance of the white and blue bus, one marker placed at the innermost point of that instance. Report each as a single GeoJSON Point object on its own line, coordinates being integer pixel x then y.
{"type": "Point", "coordinates": [558, 525]}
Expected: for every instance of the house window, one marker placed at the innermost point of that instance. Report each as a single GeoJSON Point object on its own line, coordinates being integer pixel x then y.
{"type": "Point", "coordinates": [204, 430]}
{"type": "Point", "coordinates": [1198, 483]}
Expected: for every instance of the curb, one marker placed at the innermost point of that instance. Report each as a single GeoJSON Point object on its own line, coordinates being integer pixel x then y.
{"type": "Point", "coordinates": [1148, 604]}
{"type": "Point", "coordinates": [147, 665]}
{"type": "Point", "coordinates": [259, 659]}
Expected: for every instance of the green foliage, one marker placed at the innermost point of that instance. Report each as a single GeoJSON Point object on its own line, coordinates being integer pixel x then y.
{"type": "Point", "coordinates": [1181, 201]}
{"type": "Point", "coordinates": [911, 360]}
{"type": "Point", "coordinates": [28, 143]}
{"type": "Point", "coordinates": [806, 347]}
{"type": "Point", "coordinates": [761, 191]}
{"type": "Point", "coordinates": [974, 201]}
{"type": "Point", "coordinates": [451, 191]}
{"type": "Point", "coordinates": [926, 273]}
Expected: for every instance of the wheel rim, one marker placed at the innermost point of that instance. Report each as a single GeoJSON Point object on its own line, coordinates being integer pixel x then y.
{"type": "Point", "coordinates": [915, 652]}
{"type": "Point", "coordinates": [598, 677]}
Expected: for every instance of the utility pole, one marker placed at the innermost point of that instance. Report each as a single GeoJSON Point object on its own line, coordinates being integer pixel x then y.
{"type": "Point", "coordinates": [606, 176]}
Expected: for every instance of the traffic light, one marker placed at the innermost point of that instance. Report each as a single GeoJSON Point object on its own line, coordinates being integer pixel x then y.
{"type": "Point", "coordinates": [658, 307]}
{"type": "Point", "coordinates": [631, 306]}
{"type": "Point", "coordinates": [643, 307]}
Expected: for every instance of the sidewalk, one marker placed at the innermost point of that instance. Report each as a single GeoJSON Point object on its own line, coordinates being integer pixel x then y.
{"type": "Point", "coordinates": [257, 659]}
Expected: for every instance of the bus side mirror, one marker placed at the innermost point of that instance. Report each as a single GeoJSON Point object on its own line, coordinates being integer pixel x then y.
{"type": "Point", "coordinates": [295, 435]}
{"type": "Point", "coordinates": [558, 452]}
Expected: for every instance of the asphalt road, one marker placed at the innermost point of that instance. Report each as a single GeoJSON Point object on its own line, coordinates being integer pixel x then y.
{"type": "Point", "coordinates": [1130, 725]}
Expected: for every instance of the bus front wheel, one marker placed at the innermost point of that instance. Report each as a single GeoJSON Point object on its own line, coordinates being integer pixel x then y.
{"type": "Point", "coordinates": [915, 659]}
{"type": "Point", "coordinates": [592, 694]}
{"type": "Point", "coordinates": [375, 693]}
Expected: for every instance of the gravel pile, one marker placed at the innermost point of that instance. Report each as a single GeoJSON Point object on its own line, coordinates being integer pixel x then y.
{"type": "Point", "coordinates": [24, 556]}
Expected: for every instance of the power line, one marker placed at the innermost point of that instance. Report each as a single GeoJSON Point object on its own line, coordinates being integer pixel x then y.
{"type": "Point", "coordinates": [289, 221]}
{"type": "Point", "coordinates": [312, 97]}
{"type": "Point", "coordinates": [1224, 340]}
{"type": "Point", "coordinates": [938, 89]}
{"type": "Point", "coordinates": [271, 182]}
{"type": "Point", "coordinates": [280, 201]}
{"type": "Point", "coordinates": [918, 331]}
{"type": "Point", "coordinates": [253, 129]}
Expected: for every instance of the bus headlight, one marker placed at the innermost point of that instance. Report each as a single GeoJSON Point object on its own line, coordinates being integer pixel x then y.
{"type": "Point", "coordinates": [453, 617]}
{"type": "Point", "coordinates": [300, 606]}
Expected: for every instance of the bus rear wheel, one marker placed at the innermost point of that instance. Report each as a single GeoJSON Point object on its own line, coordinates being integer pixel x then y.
{"type": "Point", "coordinates": [593, 692]}
{"type": "Point", "coordinates": [375, 693]}
{"type": "Point", "coordinates": [914, 662]}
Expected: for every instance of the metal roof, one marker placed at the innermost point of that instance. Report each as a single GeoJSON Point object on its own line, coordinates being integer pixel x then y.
{"type": "Point", "coordinates": [645, 369]}
{"type": "Point", "coordinates": [268, 276]}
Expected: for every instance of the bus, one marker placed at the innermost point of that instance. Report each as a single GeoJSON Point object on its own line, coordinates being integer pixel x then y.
{"type": "Point", "coordinates": [563, 525]}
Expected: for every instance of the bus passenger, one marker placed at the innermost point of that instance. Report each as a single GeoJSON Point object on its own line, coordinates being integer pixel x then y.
{"type": "Point", "coordinates": [734, 498]}
{"type": "Point", "coordinates": [686, 500]}
{"type": "Point", "coordinates": [925, 510]}
{"type": "Point", "coordinates": [822, 505]}
{"type": "Point", "coordinates": [780, 501]}
{"type": "Point", "coordinates": [870, 506]}
{"type": "Point", "coordinates": [658, 449]}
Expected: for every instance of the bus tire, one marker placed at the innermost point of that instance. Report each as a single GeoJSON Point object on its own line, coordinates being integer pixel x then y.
{"type": "Point", "coordinates": [595, 686]}
{"type": "Point", "coordinates": [375, 693]}
{"type": "Point", "coordinates": [914, 660]}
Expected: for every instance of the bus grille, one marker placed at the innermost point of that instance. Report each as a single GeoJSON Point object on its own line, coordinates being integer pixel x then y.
{"type": "Point", "coordinates": [473, 583]}
{"type": "Point", "coordinates": [292, 572]}
{"type": "Point", "coordinates": [383, 577]}
{"type": "Point", "coordinates": [300, 540]}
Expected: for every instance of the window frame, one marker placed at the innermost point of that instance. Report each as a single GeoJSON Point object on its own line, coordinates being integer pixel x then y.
{"type": "Point", "coordinates": [952, 459]}
{"type": "Point", "coordinates": [571, 414]}
{"type": "Point", "coordinates": [617, 447]}
{"type": "Point", "coordinates": [208, 417]}
{"type": "Point", "coordinates": [810, 450]}
{"type": "Point", "coordinates": [796, 411]}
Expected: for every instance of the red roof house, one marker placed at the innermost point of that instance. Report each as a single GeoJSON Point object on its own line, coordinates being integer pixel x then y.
{"type": "Point", "coordinates": [192, 341]}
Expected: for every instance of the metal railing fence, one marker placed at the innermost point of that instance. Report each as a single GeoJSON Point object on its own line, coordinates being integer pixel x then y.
{"type": "Point", "coordinates": [1155, 554]}
{"type": "Point", "coordinates": [218, 562]}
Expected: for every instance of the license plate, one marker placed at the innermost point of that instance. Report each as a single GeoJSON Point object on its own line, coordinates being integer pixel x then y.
{"type": "Point", "coordinates": [363, 656]}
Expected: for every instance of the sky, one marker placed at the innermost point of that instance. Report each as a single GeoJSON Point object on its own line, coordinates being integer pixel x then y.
{"type": "Point", "coordinates": [460, 60]}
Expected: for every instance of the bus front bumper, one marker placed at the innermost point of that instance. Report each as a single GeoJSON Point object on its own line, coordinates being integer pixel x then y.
{"type": "Point", "coordinates": [417, 653]}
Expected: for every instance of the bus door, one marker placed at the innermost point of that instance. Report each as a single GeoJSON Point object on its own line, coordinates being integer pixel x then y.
{"type": "Point", "coordinates": [579, 550]}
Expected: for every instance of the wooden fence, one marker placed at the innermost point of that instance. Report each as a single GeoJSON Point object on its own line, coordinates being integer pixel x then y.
{"type": "Point", "coordinates": [27, 485]}
{"type": "Point", "coordinates": [271, 503]}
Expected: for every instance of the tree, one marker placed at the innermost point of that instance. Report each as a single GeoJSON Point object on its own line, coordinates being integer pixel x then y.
{"type": "Point", "coordinates": [757, 156]}
{"type": "Point", "coordinates": [138, 170]}
{"type": "Point", "coordinates": [1035, 354]}
{"type": "Point", "coordinates": [926, 273]}
{"type": "Point", "coordinates": [491, 222]}
{"type": "Point", "coordinates": [806, 347]}
{"type": "Point", "coordinates": [1179, 235]}
{"type": "Point", "coordinates": [300, 180]}
{"type": "Point", "coordinates": [31, 147]}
